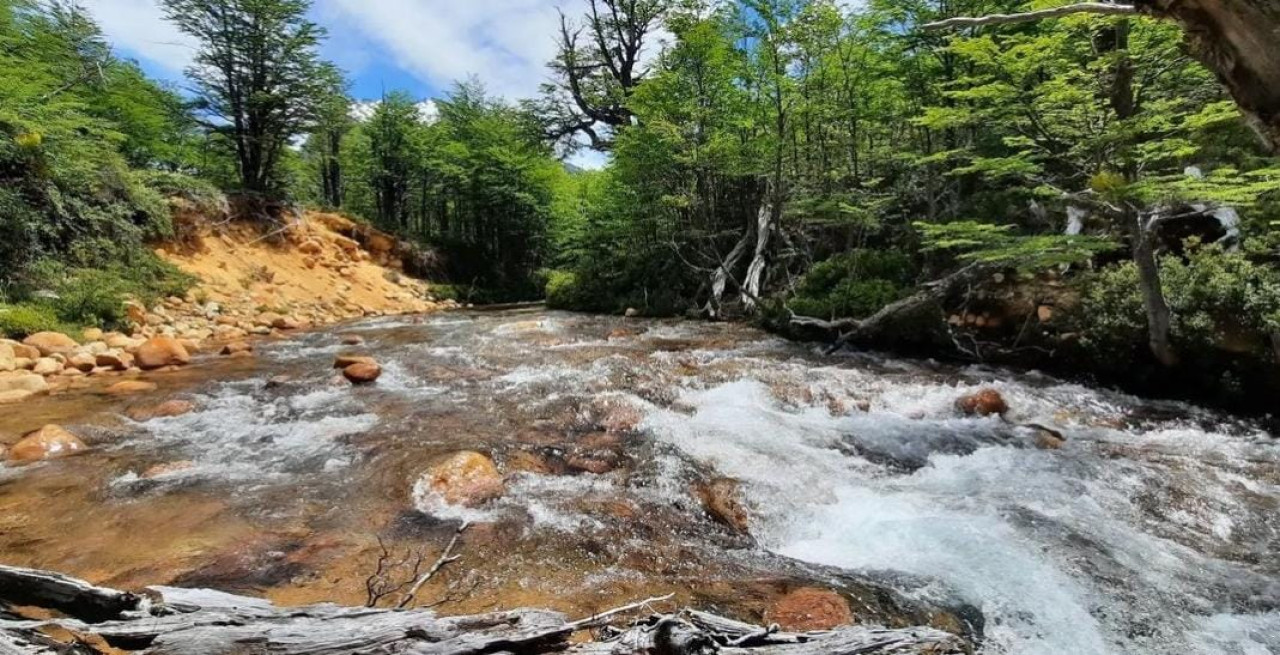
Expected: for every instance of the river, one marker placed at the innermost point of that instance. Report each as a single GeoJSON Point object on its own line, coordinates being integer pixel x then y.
{"type": "Point", "coordinates": [1154, 529]}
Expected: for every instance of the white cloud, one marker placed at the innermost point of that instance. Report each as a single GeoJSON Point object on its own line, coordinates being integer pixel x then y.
{"type": "Point", "coordinates": [506, 43]}
{"type": "Point", "coordinates": [139, 29]}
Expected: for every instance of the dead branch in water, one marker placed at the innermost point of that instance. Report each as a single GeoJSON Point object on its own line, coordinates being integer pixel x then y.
{"type": "Point", "coordinates": [206, 622]}
{"type": "Point", "coordinates": [382, 583]}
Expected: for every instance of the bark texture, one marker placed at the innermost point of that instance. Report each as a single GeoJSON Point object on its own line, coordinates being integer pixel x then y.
{"type": "Point", "coordinates": [171, 621]}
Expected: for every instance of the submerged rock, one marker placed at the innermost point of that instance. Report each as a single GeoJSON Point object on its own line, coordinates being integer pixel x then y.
{"type": "Point", "coordinates": [167, 468]}
{"type": "Point", "coordinates": [166, 409]}
{"type": "Point", "coordinates": [467, 478]}
{"type": "Point", "coordinates": [985, 402]}
{"type": "Point", "coordinates": [722, 500]}
{"type": "Point", "coordinates": [127, 387]}
{"type": "Point", "coordinates": [49, 442]}
{"type": "Point", "coordinates": [809, 609]}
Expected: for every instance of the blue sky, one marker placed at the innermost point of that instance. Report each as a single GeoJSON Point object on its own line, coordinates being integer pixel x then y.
{"type": "Point", "coordinates": [420, 46]}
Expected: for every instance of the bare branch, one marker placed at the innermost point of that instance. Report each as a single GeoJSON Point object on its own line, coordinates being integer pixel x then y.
{"type": "Point", "coordinates": [1104, 8]}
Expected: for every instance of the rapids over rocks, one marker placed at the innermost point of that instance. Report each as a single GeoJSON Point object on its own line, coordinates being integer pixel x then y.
{"type": "Point", "coordinates": [1155, 528]}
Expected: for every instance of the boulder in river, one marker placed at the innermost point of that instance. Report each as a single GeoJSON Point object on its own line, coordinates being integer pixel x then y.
{"type": "Point", "coordinates": [810, 609]}
{"type": "Point", "coordinates": [362, 373]}
{"type": "Point", "coordinates": [985, 402]}
{"type": "Point", "coordinates": [159, 352]}
{"type": "Point", "coordinates": [50, 343]}
{"type": "Point", "coordinates": [466, 478]}
{"type": "Point", "coordinates": [722, 500]}
{"type": "Point", "coordinates": [48, 442]}
{"type": "Point", "coordinates": [343, 361]}
{"type": "Point", "coordinates": [166, 409]}
{"type": "Point", "coordinates": [236, 348]}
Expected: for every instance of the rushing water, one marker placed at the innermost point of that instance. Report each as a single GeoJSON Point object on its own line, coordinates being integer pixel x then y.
{"type": "Point", "coordinates": [1155, 529]}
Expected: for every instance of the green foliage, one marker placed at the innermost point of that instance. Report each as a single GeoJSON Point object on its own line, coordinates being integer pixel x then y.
{"type": "Point", "coordinates": [1217, 298]}
{"type": "Point", "coordinates": [996, 244]}
{"type": "Point", "coordinates": [22, 320]}
{"type": "Point", "coordinates": [855, 284]}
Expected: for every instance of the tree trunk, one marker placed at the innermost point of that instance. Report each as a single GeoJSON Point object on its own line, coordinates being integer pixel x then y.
{"type": "Point", "coordinates": [1158, 314]}
{"type": "Point", "coordinates": [766, 221]}
{"type": "Point", "coordinates": [1239, 40]}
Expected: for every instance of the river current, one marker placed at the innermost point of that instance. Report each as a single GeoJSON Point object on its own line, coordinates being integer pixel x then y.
{"type": "Point", "coordinates": [1154, 529]}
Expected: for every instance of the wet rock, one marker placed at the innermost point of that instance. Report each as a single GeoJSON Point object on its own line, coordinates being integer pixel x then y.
{"type": "Point", "coordinates": [467, 478]}
{"type": "Point", "coordinates": [236, 347]}
{"type": "Point", "coordinates": [362, 373]}
{"type": "Point", "coordinates": [343, 361]}
{"type": "Point", "coordinates": [49, 343]}
{"type": "Point", "coordinates": [1046, 438]}
{"type": "Point", "coordinates": [986, 402]}
{"type": "Point", "coordinates": [159, 352]}
{"type": "Point", "coordinates": [49, 442]}
{"type": "Point", "coordinates": [352, 340]}
{"type": "Point", "coordinates": [127, 387]}
{"type": "Point", "coordinates": [809, 609]}
{"type": "Point", "coordinates": [167, 468]}
{"type": "Point", "coordinates": [594, 463]}
{"type": "Point", "coordinates": [523, 461]}
{"type": "Point", "coordinates": [632, 312]}
{"type": "Point", "coordinates": [278, 381]}
{"type": "Point", "coordinates": [722, 500]}
{"type": "Point", "coordinates": [166, 409]}
{"type": "Point", "coordinates": [286, 323]}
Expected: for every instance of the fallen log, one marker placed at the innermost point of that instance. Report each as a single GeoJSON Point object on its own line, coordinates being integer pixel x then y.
{"type": "Point", "coordinates": [885, 325]}
{"type": "Point", "coordinates": [172, 621]}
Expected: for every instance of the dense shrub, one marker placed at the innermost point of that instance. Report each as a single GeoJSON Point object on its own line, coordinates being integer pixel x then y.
{"type": "Point", "coordinates": [854, 284]}
{"type": "Point", "coordinates": [19, 321]}
{"type": "Point", "coordinates": [1214, 296]}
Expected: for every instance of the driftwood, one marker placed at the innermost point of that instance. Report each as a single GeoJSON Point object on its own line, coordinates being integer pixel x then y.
{"type": "Point", "coordinates": [171, 621]}
{"type": "Point", "coordinates": [924, 303]}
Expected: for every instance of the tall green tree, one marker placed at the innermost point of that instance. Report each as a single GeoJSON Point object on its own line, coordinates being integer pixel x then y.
{"type": "Point", "coordinates": [258, 78]}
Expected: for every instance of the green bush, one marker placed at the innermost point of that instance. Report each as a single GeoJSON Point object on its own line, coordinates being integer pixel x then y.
{"type": "Point", "coordinates": [854, 284]}
{"type": "Point", "coordinates": [563, 290]}
{"type": "Point", "coordinates": [20, 321]}
{"type": "Point", "coordinates": [1213, 295]}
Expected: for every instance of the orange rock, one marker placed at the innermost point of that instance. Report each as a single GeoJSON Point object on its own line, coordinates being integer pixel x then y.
{"type": "Point", "coordinates": [166, 409]}
{"type": "Point", "coordinates": [49, 343]}
{"type": "Point", "coordinates": [809, 609]}
{"type": "Point", "coordinates": [167, 468]}
{"type": "Point", "coordinates": [159, 352]}
{"type": "Point", "coordinates": [362, 372]}
{"type": "Point", "coordinates": [127, 387]}
{"type": "Point", "coordinates": [722, 499]}
{"type": "Point", "coordinates": [48, 442]}
{"type": "Point", "coordinates": [467, 478]}
{"type": "Point", "coordinates": [983, 403]}
{"type": "Point", "coordinates": [236, 347]}
{"type": "Point", "coordinates": [343, 361]}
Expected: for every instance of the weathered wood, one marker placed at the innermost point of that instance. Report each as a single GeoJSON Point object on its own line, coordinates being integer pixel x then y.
{"type": "Point", "coordinates": [206, 622]}
{"type": "Point", "coordinates": [68, 595]}
{"type": "Point", "coordinates": [925, 304]}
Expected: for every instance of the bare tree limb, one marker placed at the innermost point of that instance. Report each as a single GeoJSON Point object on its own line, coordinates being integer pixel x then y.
{"type": "Point", "coordinates": [1104, 8]}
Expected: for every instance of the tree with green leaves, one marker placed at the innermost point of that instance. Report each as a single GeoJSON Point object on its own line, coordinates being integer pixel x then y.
{"type": "Point", "coordinates": [258, 78]}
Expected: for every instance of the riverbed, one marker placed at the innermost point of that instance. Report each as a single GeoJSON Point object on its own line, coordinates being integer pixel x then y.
{"type": "Point", "coordinates": [1155, 528]}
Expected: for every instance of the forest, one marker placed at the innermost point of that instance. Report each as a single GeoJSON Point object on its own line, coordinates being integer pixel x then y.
{"type": "Point", "coordinates": [1079, 192]}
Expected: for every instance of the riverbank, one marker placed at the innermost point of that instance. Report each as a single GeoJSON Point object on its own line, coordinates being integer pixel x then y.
{"type": "Point", "coordinates": [253, 282]}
